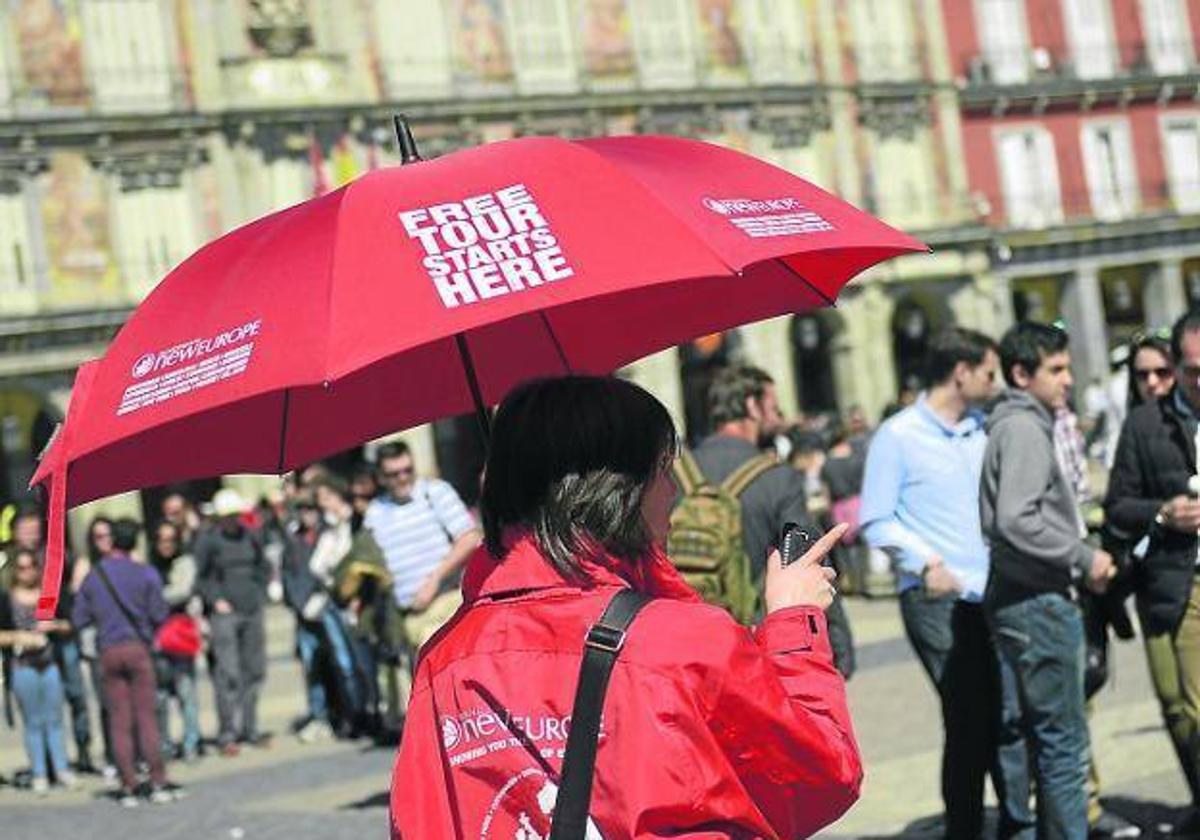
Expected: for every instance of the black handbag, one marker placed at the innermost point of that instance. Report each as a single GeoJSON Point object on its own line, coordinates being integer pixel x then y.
{"type": "Point", "coordinates": [601, 648]}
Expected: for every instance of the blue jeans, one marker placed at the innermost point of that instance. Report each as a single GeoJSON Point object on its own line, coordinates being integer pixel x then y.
{"type": "Point", "coordinates": [183, 687]}
{"type": "Point", "coordinates": [953, 643]}
{"type": "Point", "coordinates": [309, 637]}
{"type": "Point", "coordinates": [1040, 642]}
{"type": "Point", "coordinates": [40, 696]}
{"type": "Point", "coordinates": [74, 687]}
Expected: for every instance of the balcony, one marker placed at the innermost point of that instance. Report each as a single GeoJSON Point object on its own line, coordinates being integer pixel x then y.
{"type": "Point", "coordinates": [1035, 79]}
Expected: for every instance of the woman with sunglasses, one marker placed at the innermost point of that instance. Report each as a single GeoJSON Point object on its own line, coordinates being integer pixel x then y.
{"type": "Point", "coordinates": [34, 674]}
{"type": "Point", "coordinates": [1151, 368]}
{"type": "Point", "coordinates": [1153, 505]}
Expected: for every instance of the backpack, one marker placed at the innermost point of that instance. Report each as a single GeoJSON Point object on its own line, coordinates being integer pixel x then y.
{"type": "Point", "coordinates": [705, 541]}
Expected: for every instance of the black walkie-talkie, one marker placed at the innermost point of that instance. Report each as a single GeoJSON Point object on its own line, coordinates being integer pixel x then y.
{"type": "Point", "coordinates": [794, 542]}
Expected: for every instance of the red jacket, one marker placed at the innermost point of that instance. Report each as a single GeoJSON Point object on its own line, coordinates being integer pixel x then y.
{"type": "Point", "coordinates": [709, 730]}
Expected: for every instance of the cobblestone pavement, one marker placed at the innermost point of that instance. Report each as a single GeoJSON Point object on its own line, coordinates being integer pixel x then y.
{"type": "Point", "coordinates": [336, 790]}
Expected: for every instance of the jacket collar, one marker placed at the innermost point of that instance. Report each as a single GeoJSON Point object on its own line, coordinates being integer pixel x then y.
{"type": "Point", "coordinates": [525, 570]}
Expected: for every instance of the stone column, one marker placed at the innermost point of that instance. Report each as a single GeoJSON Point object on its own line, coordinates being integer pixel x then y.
{"type": "Point", "coordinates": [1165, 297]}
{"type": "Point", "coordinates": [1083, 309]}
{"type": "Point", "coordinates": [659, 374]}
{"type": "Point", "coordinates": [768, 345]}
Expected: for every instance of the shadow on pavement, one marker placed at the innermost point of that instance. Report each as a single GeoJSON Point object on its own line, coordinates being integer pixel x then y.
{"type": "Point", "coordinates": [377, 800]}
{"type": "Point", "coordinates": [1154, 818]}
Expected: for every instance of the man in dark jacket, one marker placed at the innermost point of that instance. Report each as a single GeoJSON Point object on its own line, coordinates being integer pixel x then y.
{"type": "Point", "coordinates": [1031, 520]}
{"type": "Point", "coordinates": [231, 579]}
{"type": "Point", "coordinates": [1152, 497]}
{"type": "Point", "coordinates": [744, 410]}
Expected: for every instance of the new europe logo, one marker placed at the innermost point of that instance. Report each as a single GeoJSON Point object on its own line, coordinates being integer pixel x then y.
{"type": "Point", "coordinates": [195, 348]}
{"type": "Point", "coordinates": [767, 217]}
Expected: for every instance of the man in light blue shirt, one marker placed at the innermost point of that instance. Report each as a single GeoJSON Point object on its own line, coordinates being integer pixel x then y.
{"type": "Point", "coordinates": [920, 504]}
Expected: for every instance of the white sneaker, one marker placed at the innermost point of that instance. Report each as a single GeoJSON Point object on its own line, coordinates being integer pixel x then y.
{"type": "Point", "coordinates": [109, 773]}
{"type": "Point", "coordinates": [313, 731]}
{"type": "Point", "coordinates": [68, 780]}
{"type": "Point", "coordinates": [40, 785]}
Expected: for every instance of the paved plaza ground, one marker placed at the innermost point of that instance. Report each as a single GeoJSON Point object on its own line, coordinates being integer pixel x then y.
{"type": "Point", "coordinates": [336, 790]}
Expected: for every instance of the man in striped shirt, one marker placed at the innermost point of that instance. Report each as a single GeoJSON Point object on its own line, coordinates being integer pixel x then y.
{"type": "Point", "coordinates": [422, 526]}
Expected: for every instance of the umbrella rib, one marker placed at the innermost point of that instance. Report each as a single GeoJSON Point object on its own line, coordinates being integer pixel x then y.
{"type": "Point", "coordinates": [283, 429]}
{"type": "Point", "coordinates": [828, 300]}
{"type": "Point", "coordinates": [562, 356]}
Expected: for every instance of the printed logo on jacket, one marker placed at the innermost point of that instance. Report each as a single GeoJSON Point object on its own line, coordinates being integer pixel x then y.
{"type": "Point", "coordinates": [486, 246]}
{"type": "Point", "coordinates": [471, 735]}
{"type": "Point", "coordinates": [522, 810]}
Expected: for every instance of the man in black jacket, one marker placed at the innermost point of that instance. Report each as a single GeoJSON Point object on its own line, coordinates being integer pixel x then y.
{"type": "Point", "coordinates": [1151, 498]}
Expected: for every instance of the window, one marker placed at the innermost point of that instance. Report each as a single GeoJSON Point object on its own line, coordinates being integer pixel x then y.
{"type": "Point", "coordinates": [665, 43]}
{"type": "Point", "coordinates": [8, 69]}
{"type": "Point", "coordinates": [18, 279]}
{"type": "Point", "coordinates": [1182, 141]}
{"type": "Point", "coordinates": [1002, 31]}
{"type": "Point", "coordinates": [1168, 36]}
{"type": "Point", "coordinates": [1029, 178]}
{"type": "Point", "coordinates": [906, 194]}
{"type": "Point", "coordinates": [778, 42]}
{"type": "Point", "coordinates": [156, 230]}
{"type": "Point", "coordinates": [1089, 30]}
{"type": "Point", "coordinates": [1111, 174]}
{"type": "Point", "coordinates": [413, 49]}
{"type": "Point", "coordinates": [884, 42]}
{"type": "Point", "coordinates": [130, 62]}
{"type": "Point", "coordinates": [541, 45]}
{"type": "Point", "coordinates": [801, 161]}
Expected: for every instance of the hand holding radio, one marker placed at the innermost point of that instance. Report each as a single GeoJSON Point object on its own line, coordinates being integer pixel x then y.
{"type": "Point", "coordinates": [798, 573]}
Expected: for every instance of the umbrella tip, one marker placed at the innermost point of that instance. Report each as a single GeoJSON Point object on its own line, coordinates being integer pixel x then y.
{"type": "Point", "coordinates": [408, 146]}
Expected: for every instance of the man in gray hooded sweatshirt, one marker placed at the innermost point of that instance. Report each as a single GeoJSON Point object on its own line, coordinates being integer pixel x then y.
{"type": "Point", "coordinates": [1031, 521]}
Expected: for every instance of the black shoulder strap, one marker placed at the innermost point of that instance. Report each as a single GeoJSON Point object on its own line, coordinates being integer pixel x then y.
{"type": "Point", "coordinates": [112, 590]}
{"type": "Point", "coordinates": [601, 648]}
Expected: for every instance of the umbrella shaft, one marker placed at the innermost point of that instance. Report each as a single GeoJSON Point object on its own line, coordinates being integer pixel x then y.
{"type": "Point", "coordinates": [481, 412]}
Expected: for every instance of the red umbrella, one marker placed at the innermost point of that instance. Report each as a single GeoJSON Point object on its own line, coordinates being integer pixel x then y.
{"type": "Point", "coordinates": [416, 292]}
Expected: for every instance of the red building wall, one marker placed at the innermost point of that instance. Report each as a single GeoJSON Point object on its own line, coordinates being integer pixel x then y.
{"type": "Point", "coordinates": [1047, 28]}
{"type": "Point", "coordinates": [959, 19]}
{"type": "Point", "coordinates": [1127, 24]}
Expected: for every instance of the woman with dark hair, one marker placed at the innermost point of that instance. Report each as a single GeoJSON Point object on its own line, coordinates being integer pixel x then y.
{"type": "Point", "coordinates": [708, 729]}
{"type": "Point", "coordinates": [33, 673]}
{"type": "Point", "coordinates": [1151, 368]}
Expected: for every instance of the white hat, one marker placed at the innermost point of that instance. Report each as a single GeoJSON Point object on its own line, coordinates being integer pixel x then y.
{"type": "Point", "coordinates": [228, 502]}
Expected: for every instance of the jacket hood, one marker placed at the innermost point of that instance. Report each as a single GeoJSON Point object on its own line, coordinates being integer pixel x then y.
{"type": "Point", "coordinates": [1014, 401]}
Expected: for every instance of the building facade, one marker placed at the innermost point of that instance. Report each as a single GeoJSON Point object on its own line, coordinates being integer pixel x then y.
{"type": "Point", "coordinates": [132, 131]}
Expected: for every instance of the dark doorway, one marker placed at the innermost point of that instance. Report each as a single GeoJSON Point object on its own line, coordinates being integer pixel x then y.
{"type": "Point", "coordinates": [812, 354]}
{"type": "Point", "coordinates": [698, 361]}
{"type": "Point", "coordinates": [460, 454]}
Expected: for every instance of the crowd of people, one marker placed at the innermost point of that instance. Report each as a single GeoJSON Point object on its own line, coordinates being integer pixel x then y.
{"type": "Point", "coordinates": [1012, 574]}
{"type": "Point", "coordinates": [368, 564]}
{"type": "Point", "coordinates": [977, 503]}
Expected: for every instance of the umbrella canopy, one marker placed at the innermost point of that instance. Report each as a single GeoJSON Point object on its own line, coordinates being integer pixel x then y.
{"type": "Point", "coordinates": [416, 292]}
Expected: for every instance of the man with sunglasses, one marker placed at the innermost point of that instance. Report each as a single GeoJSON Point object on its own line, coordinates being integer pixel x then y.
{"type": "Point", "coordinates": [1153, 500]}
{"type": "Point", "coordinates": [426, 534]}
